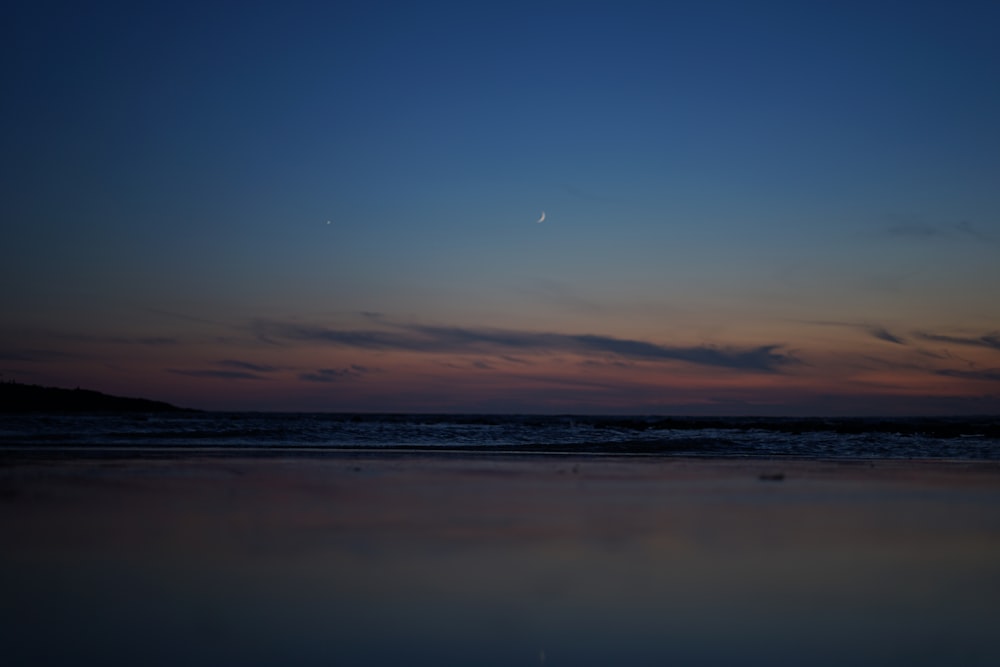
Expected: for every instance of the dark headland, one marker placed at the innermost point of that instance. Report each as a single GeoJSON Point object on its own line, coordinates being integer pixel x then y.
{"type": "Point", "coordinates": [21, 398]}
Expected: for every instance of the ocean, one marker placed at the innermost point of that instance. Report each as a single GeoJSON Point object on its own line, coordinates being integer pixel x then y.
{"type": "Point", "coordinates": [207, 538]}
{"type": "Point", "coordinates": [976, 438]}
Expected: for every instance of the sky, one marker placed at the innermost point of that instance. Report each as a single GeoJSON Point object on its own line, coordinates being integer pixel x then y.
{"type": "Point", "coordinates": [775, 208]}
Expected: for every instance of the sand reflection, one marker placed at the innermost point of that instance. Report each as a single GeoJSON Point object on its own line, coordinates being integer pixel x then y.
{"type": "Point", "coordinates": [504, 561]}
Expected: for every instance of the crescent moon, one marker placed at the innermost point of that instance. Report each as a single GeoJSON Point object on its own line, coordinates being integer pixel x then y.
{"type": "Point", "coordinates": [541, 219]}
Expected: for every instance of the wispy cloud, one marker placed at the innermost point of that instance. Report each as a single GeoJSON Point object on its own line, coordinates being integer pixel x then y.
{"type": "Point", "coordinates": [469, 340]}
{"type": "Point", "coordinates": [990, 340]}
{"type": "Point", "coordinates": [884, 334]}
{"type": "Point", "coordinates": [248, 366]}
{"type": "Point", "coordinates": [595, 363]}
{"type": "Point", "coordinates": [245, 370]}
{"type": "Point", "coordinates": [38, 356]}
{"type": "Point", "coordinates": [477, 364]}
{"type": "Point", "coordinates": [154, 340]}
{"type": "Point", "coordinates": [516, 360]}
{"type": "Point", "coordinates": [915, 229]}
{"type": "Point", "coordinates": [120, 340]}
{"type": "Point", "coordinates": [988, 374]}
{"type": "Point", "coordinates": [335, 374]}
{"type": "Point", "coordinates": [561, 295]}
{"type": "Point", "coordinates": [873, 330]}
{"type": "Point", "coordinates": [177, 316]}
{"type": "Point", "coordinates": [210, 373]}
{"type": "Point", "coordinates": [970, 372]}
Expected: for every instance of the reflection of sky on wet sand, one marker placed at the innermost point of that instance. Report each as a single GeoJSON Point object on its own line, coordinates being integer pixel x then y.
{"type": "Point", "coordinates": [499, 562]}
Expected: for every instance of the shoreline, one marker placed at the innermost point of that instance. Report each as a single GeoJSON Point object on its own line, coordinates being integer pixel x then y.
{"type": "Point", "coordinates": [15, 451]}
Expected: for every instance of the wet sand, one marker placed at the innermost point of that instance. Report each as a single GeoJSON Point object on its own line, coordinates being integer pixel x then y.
{"type": "Point", "coordinates": [362, 558]}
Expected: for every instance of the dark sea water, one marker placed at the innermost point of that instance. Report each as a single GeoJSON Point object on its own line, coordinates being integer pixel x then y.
{"type": "Point", "coordinates": [121, 549]}
{"type": "Point", "coordinates": [975, 438]}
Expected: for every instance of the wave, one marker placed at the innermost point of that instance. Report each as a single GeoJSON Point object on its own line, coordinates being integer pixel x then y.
{"type": "Point", "coordinates": [952, 437]}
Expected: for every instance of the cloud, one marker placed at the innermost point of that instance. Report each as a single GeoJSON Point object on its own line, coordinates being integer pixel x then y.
{"type": "Point", "coordinates": [216, 374]}
{"type": "Point", "coordinates": [248, 366]}
{"type": "Point", "coordinates": [886, 335]}
{"type": "Point", "coordinates": [874, 330]}
{"type": "Point", "coordinates": [561, 295]}
{"type": "Point", "coordinates": [990, 340]}
{"type": "Point", "coordinates": [967, 229]}
{"type": "Point", "coordinates": [915, 230]}
{"type": "Point", "coordinates": [594, 363]}
{"type": "Point", "coordinates": [38, 356]}
{"type": "Point", "coordinates": [989, 375]}
{"type": "Point", "coordinates": [120, 340]}
{"type": "Point", "coordinates": [336, 374]}
{"type": "Point", "coordinates": [178, 316]}
{"type": "Point", "coordinates": [245, 370]}
{"type": "Point", "coordinates": [470, 340]}
{"type": "Point", "coordinates": [516, 360]}
{"type": "Point", "coordinates": [477, 364]}
{"type": "Point", "coordinates": [907, 228]}
{"type": "Point", "coordinates": [154, 340]}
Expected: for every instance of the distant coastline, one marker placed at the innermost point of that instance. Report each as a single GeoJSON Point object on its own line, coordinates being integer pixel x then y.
{"type": "Point", "coordinates": [18, 398]}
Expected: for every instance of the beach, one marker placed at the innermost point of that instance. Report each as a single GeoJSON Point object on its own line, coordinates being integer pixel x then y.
{"type": "Point", "coordinates": [417, 558]}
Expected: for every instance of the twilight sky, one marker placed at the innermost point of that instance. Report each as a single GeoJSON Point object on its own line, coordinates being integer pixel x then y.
{"type": "Point", "coordinates": [750, 207]}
